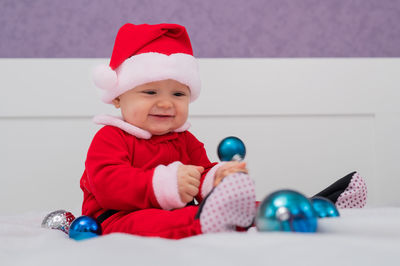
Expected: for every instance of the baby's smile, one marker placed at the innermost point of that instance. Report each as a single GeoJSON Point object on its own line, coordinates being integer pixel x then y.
{"type": "Point", "coordinates": [161, 117]}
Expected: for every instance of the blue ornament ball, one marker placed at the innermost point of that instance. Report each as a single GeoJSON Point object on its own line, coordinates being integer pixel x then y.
{"type": "Point", "coordinates": [286, 210]}
{"type": "Point", "coordinates": [324, 207]}
{"type": "Point", "coordinates": [84, 227]}
{"type": "Point", "coordinates": [231, 148]}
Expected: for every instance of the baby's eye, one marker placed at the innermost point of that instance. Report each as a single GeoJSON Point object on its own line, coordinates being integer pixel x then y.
{"type": "Point", "coordinates": [150, 92]}
{"type": "Point", "coordinates": [179, 94]}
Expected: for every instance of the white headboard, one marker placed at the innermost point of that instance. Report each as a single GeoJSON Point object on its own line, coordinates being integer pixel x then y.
{"type": "Point", "coordinates": [305, 123]}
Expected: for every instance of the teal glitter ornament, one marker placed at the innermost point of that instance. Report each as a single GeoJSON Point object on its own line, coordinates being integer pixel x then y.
{"type": "Point", "coordinates": [231, 148]}
{"type": "Point", "coordinates": [84, 227]}
{"type": "Point", "coordinates": [324, 207]}
{"type": "Point", "coordinates": [288, 211]}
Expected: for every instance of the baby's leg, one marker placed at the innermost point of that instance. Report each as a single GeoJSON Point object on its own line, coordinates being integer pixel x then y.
{"type": "Point", "coordinates": [173, 224]}
{"type": "Point", "coordinates": [348, 192]}
{"type": "Point", "coordinates": [232, 203]}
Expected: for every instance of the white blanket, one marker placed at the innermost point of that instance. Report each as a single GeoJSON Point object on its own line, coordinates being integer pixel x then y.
{"type": "Point", "coordinates": [358, 237]}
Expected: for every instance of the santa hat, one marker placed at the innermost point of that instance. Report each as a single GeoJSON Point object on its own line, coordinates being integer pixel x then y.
{"type": "Point", "coordinates": [146, 53]}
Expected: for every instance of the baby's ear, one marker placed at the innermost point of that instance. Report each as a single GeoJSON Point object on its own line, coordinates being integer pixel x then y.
{"type": "Point", "coordinates": [116, 102]}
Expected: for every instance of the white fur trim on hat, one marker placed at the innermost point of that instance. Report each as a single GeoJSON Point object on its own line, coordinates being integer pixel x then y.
{"type": "Point", "coordinates": [104, 77]}
{"type": "Point", "coordinates": [149, 67]}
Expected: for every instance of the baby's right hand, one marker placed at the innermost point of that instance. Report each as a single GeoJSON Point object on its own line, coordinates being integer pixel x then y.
{"type": "Point", "coordinates": [189, 181]}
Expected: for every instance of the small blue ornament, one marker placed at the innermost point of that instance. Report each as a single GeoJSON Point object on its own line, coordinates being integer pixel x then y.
{"type": "Point", "coordinates": [286, 210]}
{"type": "Point", "coordinates": [84, 227]}
{"type": "Point", "coordinates": [231, 148]}
{"type": "Point", "coordinates": [324, 207]}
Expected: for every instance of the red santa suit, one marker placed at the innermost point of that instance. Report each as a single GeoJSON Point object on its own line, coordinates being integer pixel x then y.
{"type": "Point", "coordinates": [135, 174]}
{"type": "Point", "coordinates": [130, 178]}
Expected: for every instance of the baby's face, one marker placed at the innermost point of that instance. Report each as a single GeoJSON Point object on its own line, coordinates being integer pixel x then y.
{"type": "Point", "coordinates": [158, 107]}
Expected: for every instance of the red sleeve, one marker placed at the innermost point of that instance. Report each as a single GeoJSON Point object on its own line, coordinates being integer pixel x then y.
{"type": "Point", "coordinates": [113, 181]}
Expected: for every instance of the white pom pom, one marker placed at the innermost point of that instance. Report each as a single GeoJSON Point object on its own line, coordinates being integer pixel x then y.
{"type": "Point", "coordinates": [104, 77]}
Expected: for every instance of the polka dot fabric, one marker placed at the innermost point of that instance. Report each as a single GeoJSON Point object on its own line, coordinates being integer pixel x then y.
{"type": "Point", "coordinates": [230, 204]}
{"type": "Point", "coordinates": [355, 195]}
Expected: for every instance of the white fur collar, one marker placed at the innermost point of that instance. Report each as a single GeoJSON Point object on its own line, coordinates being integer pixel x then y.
{"type": "Point", "coordinates": [109, 120]}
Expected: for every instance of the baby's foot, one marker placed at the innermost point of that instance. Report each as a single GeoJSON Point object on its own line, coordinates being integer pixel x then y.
{"type": "Point", "coordinates": [355, 195]}
{"type": "Point", "coordinates": [348, 192]}
{"type": "Point", "coordinates": [230, 204]}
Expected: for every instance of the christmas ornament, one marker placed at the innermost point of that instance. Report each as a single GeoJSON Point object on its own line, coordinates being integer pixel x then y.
{"type": "Point", "coordinates": [286, 210]}
{"type": "Point", "coordinates": [324, 207]}
{"type": "Point", "coordinates": [84, 227]}
{"type": "Point", "coordinates": [231, 148]}
{"type": "Point", "coordinates": [60, 220]}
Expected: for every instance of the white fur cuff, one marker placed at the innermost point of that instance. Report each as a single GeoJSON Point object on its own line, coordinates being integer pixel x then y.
{"type": "Point", "coordinates": [165, 186]}
{"type": "Point", "coordinates": [208, 182]}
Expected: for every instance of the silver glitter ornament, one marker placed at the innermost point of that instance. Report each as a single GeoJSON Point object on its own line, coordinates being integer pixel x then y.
{"type": "Point", "coordinates": [60, 220]}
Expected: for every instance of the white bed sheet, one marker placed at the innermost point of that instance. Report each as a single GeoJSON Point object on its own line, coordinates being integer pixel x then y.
{"type": "Point", "coordinates": [368, 236]}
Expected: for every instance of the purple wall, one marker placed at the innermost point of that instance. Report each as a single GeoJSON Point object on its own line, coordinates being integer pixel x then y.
{"type": "Point", "coordinates": [218, 28]}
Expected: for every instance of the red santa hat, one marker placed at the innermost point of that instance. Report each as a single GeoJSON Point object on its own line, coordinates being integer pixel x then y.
{"type": "Point", "coordinates": [146, 53]}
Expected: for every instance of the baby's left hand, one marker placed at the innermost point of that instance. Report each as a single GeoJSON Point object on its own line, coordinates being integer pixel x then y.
{"type": "Point", "coordinates": [227, 169]}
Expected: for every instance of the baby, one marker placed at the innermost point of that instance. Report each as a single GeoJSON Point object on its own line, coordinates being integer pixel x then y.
{"type": "Point", "coordinates": [145, 173]}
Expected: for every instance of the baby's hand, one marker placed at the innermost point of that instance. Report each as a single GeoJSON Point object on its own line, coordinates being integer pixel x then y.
{"type": "Point", "coordinates": [227, 169]}
{"type": "Point", "coordinates": [189, 181]}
